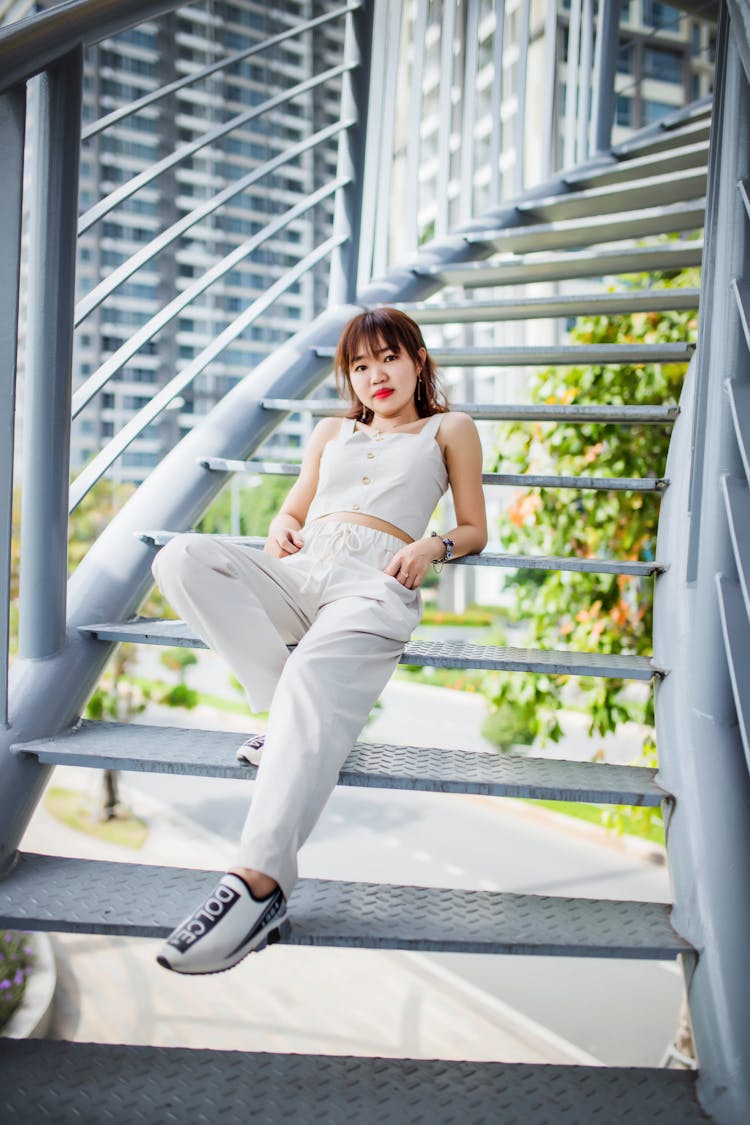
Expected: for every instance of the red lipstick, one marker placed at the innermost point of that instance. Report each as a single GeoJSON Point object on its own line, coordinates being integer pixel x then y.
{"type": "Point", "coordinates": [384, 393]}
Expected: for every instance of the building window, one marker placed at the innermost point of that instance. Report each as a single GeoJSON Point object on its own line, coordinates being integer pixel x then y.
{"type": "Point", "coordinates": [666, 66]}
{"type": "Point", "coordinates": [625, 58]}
{"type": "Point", "coordinates": [663, 17]}
{"type": "Point", "coordinates": [624, 111]}
{"type": "Point", "coordinates": [654, 111]}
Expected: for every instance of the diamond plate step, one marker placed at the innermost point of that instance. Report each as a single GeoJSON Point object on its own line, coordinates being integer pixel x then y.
{"type": "Point", "coordinates": [65, 895]}
{"type": "Point", "coordinates": [436, 654]}
{"type": "Point", "coordinates": [44, 1081]}
{"type": "Point", "coordinates": [516, 480]}
{"type": "Point", "coordinates": [652, 164]}
{"type": "Point", "coordinates": [583, 304]}
{"type": "Point", "coordinates": [130, 746]}
{"type": "Point", "coordinates": [487, 558]}
{"type": "Point", "coordinates": [506, 412]}
{"type": "Point", "coordinates": [519, 270]}
{"type": "Point", "coordinates": [662, 191]}
{"type": "Point", "coordinates": [562, 354]}
{"type": "Point", "coordinates": [567, 233]}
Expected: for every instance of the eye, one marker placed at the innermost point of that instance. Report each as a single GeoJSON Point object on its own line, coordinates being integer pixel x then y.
{"type": "Point", "coordinates": [390, 357]}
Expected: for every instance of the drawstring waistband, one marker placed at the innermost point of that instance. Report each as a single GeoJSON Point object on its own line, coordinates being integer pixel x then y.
{"type": "Point", "coordinates": [330, 541]}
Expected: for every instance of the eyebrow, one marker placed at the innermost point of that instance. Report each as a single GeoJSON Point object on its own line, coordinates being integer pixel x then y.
{"type": "Point", "coordinates": [380, 351]}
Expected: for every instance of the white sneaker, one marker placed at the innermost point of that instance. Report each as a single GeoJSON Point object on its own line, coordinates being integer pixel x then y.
{"type": "Point", "coordinates": [251, 750]}
{"type": "Point", "coordinates": [231, 923]}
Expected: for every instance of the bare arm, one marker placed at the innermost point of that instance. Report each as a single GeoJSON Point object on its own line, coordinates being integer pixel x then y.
{"type": "Point", "coordinates": [283, 531]}
{"type": "Point", "coordinates": [462, 450]}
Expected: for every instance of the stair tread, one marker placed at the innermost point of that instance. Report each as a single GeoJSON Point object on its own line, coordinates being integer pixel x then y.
{"type": "Point", "coordinates": [573, 354]}
{"type": "Point", "coordinates": [662, 191]}
{"type": "Point", "coordinates": [519, 269]}
{"type": "Point", "coordinates": [517, 480]}
{"type": "Point", "coordinates": [519, 412]}
{"type": "Point", "coordinates": [690, 155]}
{"type": "Point", "coordinates": [136, 747]}
{"type": "Point", "coordinates": [159, 538]}
{"type": "Point", "coordinates": [69, 895]}
{"type": "Point", "coordinates": [611, 227]}
{"type": "Point", "coordinates": [44, 1080]}
{"type": "Point", "coordinates": [444, 654]}
{"type": "Point", "coordinates": [579, 304]}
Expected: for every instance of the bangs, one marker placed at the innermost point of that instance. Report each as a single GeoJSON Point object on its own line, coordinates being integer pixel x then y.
{"type": "Point", "coordinates": [368, 334]}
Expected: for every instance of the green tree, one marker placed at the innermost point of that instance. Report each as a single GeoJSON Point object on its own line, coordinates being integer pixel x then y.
{"type": "Point", "coordinates": [589, 612]}
{"type": "Point", "coordinates": [259, 503]}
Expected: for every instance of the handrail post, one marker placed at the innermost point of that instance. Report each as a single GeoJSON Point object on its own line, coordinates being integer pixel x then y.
{"type": "Point", "coordinates": [347, 214]}
{"type": "Point", "coordinates": [12, 124]}
{"type": "Point", "coordinates": [49, 351]}
{"type": "Point", "coordinates": [605, 69]}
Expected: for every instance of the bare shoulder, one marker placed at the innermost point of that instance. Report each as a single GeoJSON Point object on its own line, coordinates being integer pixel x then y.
{"type": "Point", "coordinates": [457, 428]}
{"type": "Point", "coordinates": [327, 428]}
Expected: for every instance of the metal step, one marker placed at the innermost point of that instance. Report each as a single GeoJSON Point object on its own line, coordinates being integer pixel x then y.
{"type": "Point", "coordinates": [664, 139]}
{"type": "Point", "coordinates": [45, 1081]}
{"type": "Point", "coordinates": [575, 355]}
{"type": "Point", "coordinates": [487, 558]}
{"type": "Point", "coordinates": [662, 192]}
{"type": "Point", "coordinates": [530, 308]}
{"type": "Point", "coordinates": [596, 263]}
{"type": "Point", "coordinates": [567, 233]}
{"type": "Point", "coordinates": [651, 164]}
{"type": "Point", "coordinates": [515, 480]}
{"type": "Point", "coordinates": [504, 412]}
{"type": "Point", "coordinates": [435, 654]}
{"type": "Point", "coordinates": [149, 749]}
{"type": "Point", "coordinates": [737, 503]}
{"type": "Point", "coordinates": [739, 402]}
{"type": "Point", "coordinates": [67, 895]}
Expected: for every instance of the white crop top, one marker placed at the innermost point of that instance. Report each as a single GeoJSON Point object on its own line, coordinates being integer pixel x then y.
{"type": "Point", "coordinates": [396, 477]}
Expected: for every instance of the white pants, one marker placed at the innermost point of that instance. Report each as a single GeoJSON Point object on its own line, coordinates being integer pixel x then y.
{"type": "Point", "coordinates": [350, 622]}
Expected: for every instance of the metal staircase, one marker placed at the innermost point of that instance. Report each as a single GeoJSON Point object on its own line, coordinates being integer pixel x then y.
{"type": "Point", "coordinates": [600, 220]}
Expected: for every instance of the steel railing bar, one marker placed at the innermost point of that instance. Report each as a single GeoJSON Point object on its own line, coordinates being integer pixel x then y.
{"type": "Point", "coordinates": [571, 83]}
{"type": "Point", "coordinates": [119, 358]}
{"type": "Point", "coordinates": [205, 72]}
{"type": "Point", "coordinates": [374, 148]}
{"type": "Point", "coordinates": [125, 191]}
{"type": "Point", "coordinates": [413, 148]}
{"type": "Point", "coordinates": [387, 111]}
{"type": "Point", "coordinates": [513, 412]}
{"type": "Point", "coordinates": [605, 64]}
{"type": "Point", "coordinates": [496, 131]}
{"type": "Point", "coordinates": [551, 82]}
{"type": "Point", "coordinates": [468, 112]}
{"type": "Point", "coordinates": [739, 403]}
{"type": "Point", "coordinates": [12, 126]}
{"type": "Point", "coordinates": [447, 44]}
{"type": "Point", "coordinates": [93, 471]}
{"type": "Point", "coordinates": [519, 143]}
{"type": "Point", "coordinates": [584, 101]}
{"type": "Point", "coordinates": [121, 274]}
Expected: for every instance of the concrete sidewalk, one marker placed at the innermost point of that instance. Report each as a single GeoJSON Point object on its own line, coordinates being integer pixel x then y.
{"type": "Point", "coordinates": [328, 1001]}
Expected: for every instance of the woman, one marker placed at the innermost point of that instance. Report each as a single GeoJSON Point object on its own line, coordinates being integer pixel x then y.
{"type": "Point", "coordinates": [339, 577]}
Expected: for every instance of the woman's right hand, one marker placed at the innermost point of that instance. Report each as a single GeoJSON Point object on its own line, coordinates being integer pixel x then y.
{"type": "Point", "coordinates": [282, 542]}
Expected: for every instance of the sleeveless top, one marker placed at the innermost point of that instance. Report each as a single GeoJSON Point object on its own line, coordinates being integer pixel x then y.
{"type": "Point", "coordinates": [396, 477]}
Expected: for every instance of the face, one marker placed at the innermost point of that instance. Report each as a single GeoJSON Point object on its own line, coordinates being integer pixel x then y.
{"type": "Point", "coordinates": [386, 382]}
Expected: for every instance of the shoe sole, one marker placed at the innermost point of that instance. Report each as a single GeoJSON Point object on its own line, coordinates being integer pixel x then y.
{"type": "Point", "coordinates": [272, 934]}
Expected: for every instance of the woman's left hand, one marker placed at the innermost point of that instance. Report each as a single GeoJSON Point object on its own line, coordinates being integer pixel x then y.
{"type": "Point", "coordinates": [409, 566]}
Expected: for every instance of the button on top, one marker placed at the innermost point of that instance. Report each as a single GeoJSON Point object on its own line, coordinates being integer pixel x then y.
{"type": "Point", "coordinates": [355, 507]}
{"type": "Point", "coordinates": [365, 480]}
{"type": "Point", "coordinates": [370, 456]}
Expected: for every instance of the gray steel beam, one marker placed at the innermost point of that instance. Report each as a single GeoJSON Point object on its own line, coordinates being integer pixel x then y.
{"type": "Point", "coordinates": [347, 214]}
{"type": "Point", "coordinates": [49, 357]}
{"type": "Point", "coordinates": [503, 412]}
{"type": "Point", "coordinates": [30, 45]}
{"type": "Point", "coordinates": [605, 67]}
{"type": "Point", "coordinates": [702, 761]}
{"type": "Point", "coordinates": [12, 125]}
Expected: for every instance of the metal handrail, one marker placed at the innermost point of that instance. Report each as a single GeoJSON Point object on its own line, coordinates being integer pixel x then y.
{"type": "Point", "coordinates": [33, 44]}
{"type": "Point", "coordinates": [125, 191]}
{"type": "Point", "coordinates": [86, 480]}
{"type": "Point", "coordinates": [121, 273]}
{"type": "Point", "coordinates": [205, 72]}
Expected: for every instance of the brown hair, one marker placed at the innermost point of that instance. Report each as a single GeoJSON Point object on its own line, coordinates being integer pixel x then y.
{"type": "Point", "coordinates": [370, 331]}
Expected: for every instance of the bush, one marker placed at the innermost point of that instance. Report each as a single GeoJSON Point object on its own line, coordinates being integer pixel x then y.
{"type": "Point", "coordinates": [16, 963]}
{"type": "Point", "coordinates": [505, 727]}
